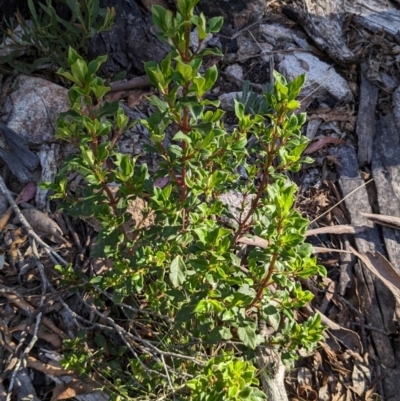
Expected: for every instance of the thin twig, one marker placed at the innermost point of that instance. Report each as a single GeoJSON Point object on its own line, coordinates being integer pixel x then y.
{"type": "Point", "coordinates": [168, 377]}
{"type": "Point", "coordinates": [22, 359]}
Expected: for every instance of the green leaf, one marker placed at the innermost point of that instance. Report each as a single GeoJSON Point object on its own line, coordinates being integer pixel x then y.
{"type": "Point", "coordinates": [32, 9]}
{"type": "Point", "coordinates": [215, 24]}
{"type": "Point", "coordinates": [73, 56]}
{"type": "Point", "coordinates": [108, 109]}
{"type": "Point", "coordinates": [69, 76]}
{"type": "Point", "coordinates": [180, 136]}
{"type": "Point", "coordinates": [79, 70]}
{"type": "Point", "coordinates": [177, 272]}
{"type": "Point", "coordinates": [258, 395]}
{"type": "Point", "coordinates": [94, 65]}
{"type": "Point", "coordinates": [247, 335]}
{"type": "Point", "coordinates": [239, 109]}
{"type": "Point", "coordinates": [160, 104]}
{"type": "Point", "coordinates": [185, 70]}
{"type": "Point", "coordinates": [210, 76]}
{"type": "Point", "coordinates": [185, 314]}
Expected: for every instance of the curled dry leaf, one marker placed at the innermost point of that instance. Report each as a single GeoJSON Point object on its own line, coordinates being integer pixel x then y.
{"type": "Point", "coordinates": [41, 222]}
{"type": "Point", "coordinates": [307, 393]}
{"type": "Point", "coordinates": [320, 143]}
{"type": "Point", "coordinates": [71, 389]}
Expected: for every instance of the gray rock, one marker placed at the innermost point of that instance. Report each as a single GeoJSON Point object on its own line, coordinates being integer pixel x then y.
{"type": "Point", "coordinates": [226, 100]}
{"type": "Point", "coordinates": [235, 73]}
{"type": "Point", "coordinates": [32, 109]}
{"type": "Point", "coordinates": [322, 80]}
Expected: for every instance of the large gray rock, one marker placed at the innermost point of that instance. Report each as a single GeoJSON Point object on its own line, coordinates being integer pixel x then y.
{"type": "Point", "coordinates": [32, 109]}
{"type": "Point", "coordinates": [322, 79]}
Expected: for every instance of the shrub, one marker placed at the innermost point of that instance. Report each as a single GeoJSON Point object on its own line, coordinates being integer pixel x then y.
{"type": "Point", "coordinates": [185, 279]}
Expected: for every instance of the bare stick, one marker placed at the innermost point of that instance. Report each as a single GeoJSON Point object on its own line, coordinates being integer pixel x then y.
{"type": "Point", "coordinates": [137, 82]}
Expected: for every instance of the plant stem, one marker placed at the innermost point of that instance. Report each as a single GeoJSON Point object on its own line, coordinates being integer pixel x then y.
{"type": "Point", "coordinates": [265, 281]}
{"type": "Point", "coordinates": [273, 150]}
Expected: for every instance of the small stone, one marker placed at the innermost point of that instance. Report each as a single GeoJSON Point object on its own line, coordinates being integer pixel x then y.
{"type": "Point", "coordinates": [235, 73]}
{"type": "Point", "coordinates": [226, 100]}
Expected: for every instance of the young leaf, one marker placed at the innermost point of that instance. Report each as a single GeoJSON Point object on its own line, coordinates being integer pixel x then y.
{"type": "Point", "coordinates": [177, 271]}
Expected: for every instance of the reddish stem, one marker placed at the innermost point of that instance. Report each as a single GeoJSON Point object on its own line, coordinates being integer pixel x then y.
{"type": "Point", "coordinates": [265, 281]}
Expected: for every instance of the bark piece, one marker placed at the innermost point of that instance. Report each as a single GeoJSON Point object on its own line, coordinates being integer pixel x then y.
{"type": "Point", "coordinates": [375, 15]}
{"type": "Point", "coordinates": [15, 153]}
{"type": "Point", "coordinates": [49, 155]}
{"type": "Point", "coordinates": [396, 107]}
{"type": "Point", "coordinates": [386, 173]}
{"type": "Point", "coordinates": [376, 299]}
{"type": "Point", "coordinates": [24, 388]}
{"type": "Point", "coordinates": [366, 119]}
{"type": "Point", "coordinates": [323, 21]}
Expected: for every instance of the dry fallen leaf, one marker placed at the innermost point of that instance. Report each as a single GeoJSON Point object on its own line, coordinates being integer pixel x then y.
{"type": "Point", "coordinates": [358, 379]}
{"type": "Point", "coordinates": [320, 143]}
{"type": "Point", "coordinates": [382, 268]}
{"type": "Point", "coordinates": [47, 368]}
{"type": "Point", "coordinates": [306, 392]}
{"type": "Point", "coordinates": [24, 196]}
{"type": "Point", "coordinates": [71, 389]}
{"type": "Point", "coordinates": [29, 192]}
{"type": "Point", "coordinates": [41, 222]}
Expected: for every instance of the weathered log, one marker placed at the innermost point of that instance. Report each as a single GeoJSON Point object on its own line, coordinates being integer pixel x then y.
{"type": "Point", "coordinates": [375, 298]}
{"type": "Point", "coordinates": [386, 173]}
{"type": "Point", "coordinates": [375, 15]}
{"type": "Point", "coordinates": [323, 20]}
{"type": "Point", "coordinates": [366, 119]}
